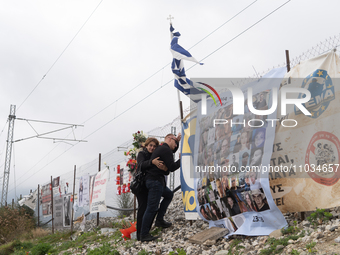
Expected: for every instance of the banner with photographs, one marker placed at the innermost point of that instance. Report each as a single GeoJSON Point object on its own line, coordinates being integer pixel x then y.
{"type": "Point", "coordinates": [187, 183]}
{"type": "Point", "coordinates": [99, 191]}
{"type": "Point", "coordinates": [46, 199]}
{"type": "Point", "coordinates": [230, 152]}
{"type": "Point", "coordinates": [310, 150]}
{"type": "Point", "coordinates": [83, 198]}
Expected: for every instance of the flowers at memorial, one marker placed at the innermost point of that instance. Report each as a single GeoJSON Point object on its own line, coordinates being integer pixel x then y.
{"type": "Point", "coordinates": [132, 164]}
{"type": "Point", "coordinates": [138, 139]}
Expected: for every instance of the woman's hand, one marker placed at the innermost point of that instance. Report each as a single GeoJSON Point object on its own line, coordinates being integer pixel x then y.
{"type": "Point", "coordinates": [157, 162]}
{"type": "Point", "coordinates": [163, 167]}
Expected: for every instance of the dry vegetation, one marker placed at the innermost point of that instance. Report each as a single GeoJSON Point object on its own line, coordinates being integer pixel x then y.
{"type": "Point", "coordinates": [14, 222]}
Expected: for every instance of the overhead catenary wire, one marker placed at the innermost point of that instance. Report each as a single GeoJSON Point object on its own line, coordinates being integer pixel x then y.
{"type": "Point", "coordinates": [53, 64]}
{"type": "Point", "coordinates": [162, 68]}
{"type": "Point", "coordinates": [138, 85]}
{"type": "Point", "coordinates": [159, 88]}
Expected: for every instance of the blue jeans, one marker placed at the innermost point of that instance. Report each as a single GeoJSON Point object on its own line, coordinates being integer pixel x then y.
{"type": "Point", "coordinates": [156, 191]}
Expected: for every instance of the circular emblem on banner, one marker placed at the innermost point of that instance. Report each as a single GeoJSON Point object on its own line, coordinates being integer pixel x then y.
{"type": "Point", "coordinates": [320, 85]}
{"type": "Point", "coordinates": [322, 158]}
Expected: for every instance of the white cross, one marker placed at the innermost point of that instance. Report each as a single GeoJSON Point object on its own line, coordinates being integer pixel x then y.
{"type": "Point", "coordinates": [170, 18]}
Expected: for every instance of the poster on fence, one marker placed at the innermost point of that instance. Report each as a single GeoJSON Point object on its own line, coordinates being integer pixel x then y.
{"type": "Point", "coordinates": [231, 149]}
{"type": "Point", "coordinates": [46, 199]}
{"type": "Point", "coordinates": [58, 211]}
{"type": "Point", "coordinates": [125, 178]}
{"type": "Point", "coordinates": [99, 192]}
{"type": "Point", "coordinates": [67, 210]}
{"type": "Point", "coordinates": [311, 149]}
{"type": "Point", "coordinates": [187, 151]}
{"type": "Point", "coordinates": [83, 198]}
{"type": "Point", "coordinates": [29, 200]}
{"type": "Point", "coordinates": [56, 186]}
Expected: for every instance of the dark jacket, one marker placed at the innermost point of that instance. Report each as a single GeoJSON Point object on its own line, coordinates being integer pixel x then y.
{"type": "Point", "coordinates": [165, 154]}
{"type": "Point", "coordinates": [143, 158]}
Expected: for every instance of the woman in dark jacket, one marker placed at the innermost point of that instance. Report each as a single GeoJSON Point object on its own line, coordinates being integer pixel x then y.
{"type": "Point", "coordinates": [143, 158]}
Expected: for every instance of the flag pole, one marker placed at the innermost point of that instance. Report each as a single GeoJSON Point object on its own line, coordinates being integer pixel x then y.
{"type": "Point", "coordinates": [178, 95]}
{"type": "Point", "coordinates": [180, 105]}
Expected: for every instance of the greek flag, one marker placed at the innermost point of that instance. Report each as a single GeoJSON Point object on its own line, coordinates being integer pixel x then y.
{"type": "Point", "coordinates": [181, 81]}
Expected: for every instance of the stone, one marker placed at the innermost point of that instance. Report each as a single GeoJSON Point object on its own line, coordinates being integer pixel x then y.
{"type": "Point", "coordinates": [305, 239]}
{"type": "Point", "coordinates": [337, 240]}
{"type": "Point", "coordinates": [276, 233]}
{"type": "Point", "coordinates": [279, 247]}
{"type": "Point", "coordinates": [226, 246]}
{"type": "Point", "coordinates": [213, 233]}
{"type": "Point", "coordinates": [319, 235]}
{"type": "Point", "coordinates": [305, 223]}
{"type": "Point", "coordinates": [209, 242]}
{"type": "Point", "coordinates": [222, 252]}
{"type": "Point", "coordinates": [333, 228]}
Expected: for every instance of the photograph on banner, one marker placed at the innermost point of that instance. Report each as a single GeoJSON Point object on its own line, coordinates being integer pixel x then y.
{"type": "Point", "coordinates": [308, 154]}
{"type": "Point", "coordinates": [230, 151]}
{"type": "Point", "coordinates": [67, 210]}
{"type": "Point", "coordinates": [56, 186]}
{"type": "Point", "coordinates": [99, 192]}
{"type": "Point", "coordinates": [46, 199]}
{"type": "Point", "coordinates": [58, 211]}
{"type": "Point", "coordinates": [83, 198]}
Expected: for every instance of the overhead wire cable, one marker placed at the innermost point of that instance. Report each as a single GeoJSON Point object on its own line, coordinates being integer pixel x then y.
{"type": "Point", "coordinates": [162, 68]}
{"type": "Point", "coordinates": [162, 86]}
{"type": "Point", "coordinates": [60, 55]}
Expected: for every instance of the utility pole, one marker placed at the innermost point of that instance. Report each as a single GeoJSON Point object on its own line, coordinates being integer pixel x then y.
{"type": "Point", "coordinates": [11, 119]}
{"type": "Point", "coordinates": [10, 141]}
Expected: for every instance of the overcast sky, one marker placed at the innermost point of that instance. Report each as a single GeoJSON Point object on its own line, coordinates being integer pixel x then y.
{"type": "Point", "coordinates": [120, 46]}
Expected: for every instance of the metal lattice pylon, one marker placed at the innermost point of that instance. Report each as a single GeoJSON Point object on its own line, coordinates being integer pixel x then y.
{"type": "Point", "coordinates": [11, 119]}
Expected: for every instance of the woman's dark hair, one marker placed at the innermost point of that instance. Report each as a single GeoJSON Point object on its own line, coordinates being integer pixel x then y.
{"type": "Point", "coordinates": [151, 139]}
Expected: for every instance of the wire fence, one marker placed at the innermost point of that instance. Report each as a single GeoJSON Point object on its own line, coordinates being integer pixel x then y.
{"type": "Point", "coordinates": [116, 156]}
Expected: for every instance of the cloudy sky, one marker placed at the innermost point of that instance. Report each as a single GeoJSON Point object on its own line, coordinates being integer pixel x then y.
{"type": "Point", "coordinates": [67, 60]}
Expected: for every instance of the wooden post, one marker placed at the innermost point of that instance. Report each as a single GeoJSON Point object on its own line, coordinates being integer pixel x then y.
{"type": "Point", "coordinates": [181, 109]}
{"type": "Point", "coordinates": [100, 158]}
{"type": "Point", "coordinates": [52, 205]}
{"type": "Point", "coordinates": [12, 203]}
{"type": "Point", "coordinates": [38, 204]}
{"type": "Point", "coordinates": [287, 61]}
{"type": "Point", "coordinates": [74, 187]}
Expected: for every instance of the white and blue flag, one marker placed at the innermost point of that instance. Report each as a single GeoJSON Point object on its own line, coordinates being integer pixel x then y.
{"type": "Point", "coordinates": [179, 53]}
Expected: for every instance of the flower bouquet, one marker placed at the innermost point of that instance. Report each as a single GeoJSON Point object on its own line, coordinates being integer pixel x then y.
{"type": "Point", "coordinates": [138, 139]}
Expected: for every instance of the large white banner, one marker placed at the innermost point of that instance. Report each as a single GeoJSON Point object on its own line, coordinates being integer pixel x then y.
{"type": "Point", "coordinates": [232, 190]}
{"type": "Point", "coordinates": [99, 191]}
{"type": "Point", "coordinates": [311, 150]}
